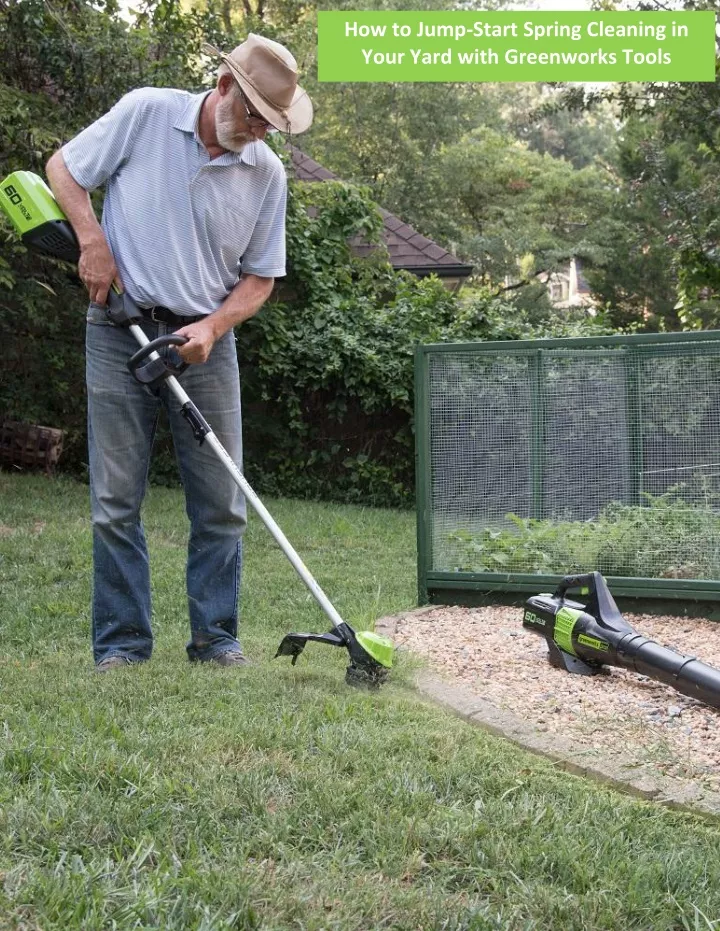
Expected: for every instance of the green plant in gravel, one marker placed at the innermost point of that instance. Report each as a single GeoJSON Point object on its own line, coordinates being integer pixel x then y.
{"type": "Point", "coordinates": [190, 799]}
{"type": "Point", "coordinates": [666, 538]}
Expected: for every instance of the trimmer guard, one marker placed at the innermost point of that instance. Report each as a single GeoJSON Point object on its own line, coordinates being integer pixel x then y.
{"type": "Point", "coordinates": [293, 644]}
{"type": "Point", "coordinates": [371, 654]}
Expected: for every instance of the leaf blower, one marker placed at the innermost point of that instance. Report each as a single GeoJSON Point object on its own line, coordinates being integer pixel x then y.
{"type": "Point", "coordinates": [36, 216]}
{"type": "Point", "coordinates": [582, 637]}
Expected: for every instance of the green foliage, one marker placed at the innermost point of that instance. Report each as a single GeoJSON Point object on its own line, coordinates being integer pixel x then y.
{"type": "Point", "coordinates": [673, 205]}
{"type": "Point", "coordinates": [665, 538]}
{"type": "Point", "coordinates": [509, 201]}
{"type": "Point", "coordinates": [61, 66]}
{"type": "Point", "coordinates": [41, 303]}
{"type": "Point", "coordinates": [328, 373]}
{"type": "Point", "coordinates": [84, 56]}
{"type": "Point", "coordinates": [387, 134]}
{"type": "Point", "coordinates": [470, 167]}
{"type": "Point", "coordinates": [662, 268]}
{"type": "Point", "coordinates": [327, 367]}
{"type": "Point", "coordinates": [581, 138]}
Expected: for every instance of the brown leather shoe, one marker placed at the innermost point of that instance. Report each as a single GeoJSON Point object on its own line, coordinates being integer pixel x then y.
{"type": "Point", "coordinates": [230, 658]}
{"type": "Point", "coordinates": [112, 662]}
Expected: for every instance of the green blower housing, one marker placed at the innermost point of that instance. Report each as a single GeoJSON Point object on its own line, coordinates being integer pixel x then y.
{"type": "Point", "coordinates": [30, 206]}
{"type": "Point", "coordinates": [583, 636]}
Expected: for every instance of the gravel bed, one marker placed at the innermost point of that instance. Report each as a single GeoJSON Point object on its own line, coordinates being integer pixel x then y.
{"type": "Point", "coordinates": [619, 712]}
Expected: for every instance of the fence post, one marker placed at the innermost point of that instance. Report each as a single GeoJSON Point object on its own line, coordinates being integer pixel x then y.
{"type": "Point", "coordinates": [537, 438]}
{"type": "Point", "coordinates": [422, 473]}
{"type": "Point", "coordinates": [634, 424]}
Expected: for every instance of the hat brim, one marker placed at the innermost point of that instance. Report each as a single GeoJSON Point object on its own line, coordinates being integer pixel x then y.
{"type": "Point", "coordinates": [295, 119]}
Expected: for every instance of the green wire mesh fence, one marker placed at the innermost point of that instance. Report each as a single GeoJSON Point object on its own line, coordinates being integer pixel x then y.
{"type": "Point", "coordinates": [541, 458]}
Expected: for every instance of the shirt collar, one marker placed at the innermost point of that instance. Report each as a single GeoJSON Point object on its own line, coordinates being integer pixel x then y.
{"type": "Point", "coordinates": [188, 123]}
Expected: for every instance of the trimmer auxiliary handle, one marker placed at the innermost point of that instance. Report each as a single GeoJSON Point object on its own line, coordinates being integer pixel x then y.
{"type": "Point", "coordinates": [156, 370]}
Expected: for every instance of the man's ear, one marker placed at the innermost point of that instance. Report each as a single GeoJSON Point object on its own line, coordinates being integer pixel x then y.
{"type": "Point", "coordinates": [224, 83]}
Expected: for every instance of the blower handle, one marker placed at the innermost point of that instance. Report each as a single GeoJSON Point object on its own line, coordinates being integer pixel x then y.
{"type": "Point", "coordinates": [599, 603]}
{"type": "Point", "coordinates": [586, 582]}
{"type": "Point", "coordinates": [156, 370]}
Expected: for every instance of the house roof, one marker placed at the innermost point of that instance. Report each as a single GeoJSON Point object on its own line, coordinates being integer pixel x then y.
{"type": "Point", "coordinates": [407, 248]}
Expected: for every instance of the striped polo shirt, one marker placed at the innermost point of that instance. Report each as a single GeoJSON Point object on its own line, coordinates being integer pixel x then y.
{"type": "Point", "coordinates": [181, 227]}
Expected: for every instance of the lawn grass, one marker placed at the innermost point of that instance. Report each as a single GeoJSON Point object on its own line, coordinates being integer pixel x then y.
{"type": "Point", "coordinates": [173, 796]}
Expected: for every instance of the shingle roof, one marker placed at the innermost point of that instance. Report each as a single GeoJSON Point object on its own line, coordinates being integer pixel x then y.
{"type": "Point", "coordinates": [407, 248]}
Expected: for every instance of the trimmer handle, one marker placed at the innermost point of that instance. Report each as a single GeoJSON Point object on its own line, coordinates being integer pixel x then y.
{"type": "Point", "coordinates": [586, 582]}
{"type": "Point", "coordinates": [155, 371]}
{"type": "Point", "coordinates": [121, 309]}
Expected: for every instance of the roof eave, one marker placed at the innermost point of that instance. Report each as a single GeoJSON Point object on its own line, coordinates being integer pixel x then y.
{"type": "Point", "coordinates": [442, 271]}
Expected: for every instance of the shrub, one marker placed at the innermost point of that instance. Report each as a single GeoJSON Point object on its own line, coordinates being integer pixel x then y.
{"type": "Point", "coordinates": [666, 538]}
{"type": "Point", "coordinates": [328, 376]}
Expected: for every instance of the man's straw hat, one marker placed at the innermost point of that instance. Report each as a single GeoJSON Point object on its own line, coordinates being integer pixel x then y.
{"type": "Point", "coordinates": [267, 74]}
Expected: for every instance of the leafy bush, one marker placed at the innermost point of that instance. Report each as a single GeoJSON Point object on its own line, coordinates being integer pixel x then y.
{"type": "Point", "coordinates": [667, 538]}
{"type": "Point", "coordinates": [328, 375]}
{"type": "Point", "coordinates": [61, 66]}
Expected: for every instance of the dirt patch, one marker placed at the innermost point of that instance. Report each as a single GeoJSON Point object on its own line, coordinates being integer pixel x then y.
{"type": "Point", "coordinates": [618, 712]}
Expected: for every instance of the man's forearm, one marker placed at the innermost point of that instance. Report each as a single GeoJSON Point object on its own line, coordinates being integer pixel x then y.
{"type": "Point", "coordinates": [243, 302]}
{"type": "Point", "coordinates": [96, 266]}
{"type": "Point", "coordinates": [74, 200]}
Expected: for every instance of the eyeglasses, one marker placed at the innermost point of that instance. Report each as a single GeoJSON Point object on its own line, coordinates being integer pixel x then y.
{"type": "Point", "coordinates": [254, 120]}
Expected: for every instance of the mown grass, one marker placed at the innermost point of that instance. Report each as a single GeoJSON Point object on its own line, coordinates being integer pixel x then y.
{"type": "Point", "coordinates": [172, 796]}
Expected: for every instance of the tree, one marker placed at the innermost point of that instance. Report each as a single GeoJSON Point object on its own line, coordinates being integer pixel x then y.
{"type": "Point", "coordinates": [500, 203]}
{"type": "Point", "coordinates": [383, 135]}
{"type": "Point", "coordinates": [534, 113]}
{"type": "Point", "coordinates": [664, 269]}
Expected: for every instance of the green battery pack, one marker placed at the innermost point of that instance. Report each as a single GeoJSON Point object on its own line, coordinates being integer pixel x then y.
{"type": "Point", "coordinates": [30, 206]}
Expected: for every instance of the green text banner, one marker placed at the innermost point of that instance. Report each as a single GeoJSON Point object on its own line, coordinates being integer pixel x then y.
{"type": "Point", "coordinates": [529, 46]}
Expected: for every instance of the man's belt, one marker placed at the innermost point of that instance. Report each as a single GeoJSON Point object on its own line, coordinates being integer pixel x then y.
{"type": "Point", "coordinates": [159, 314]}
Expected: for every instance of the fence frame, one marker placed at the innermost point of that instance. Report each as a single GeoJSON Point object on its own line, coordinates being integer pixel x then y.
{"type": "Point", "coordinates": [470, 588]}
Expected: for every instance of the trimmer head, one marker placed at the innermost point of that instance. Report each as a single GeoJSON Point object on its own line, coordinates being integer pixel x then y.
{"type": "Point", "coordinates": [371, 654]}
{"type": "Point", "coordinates": [33, 211]}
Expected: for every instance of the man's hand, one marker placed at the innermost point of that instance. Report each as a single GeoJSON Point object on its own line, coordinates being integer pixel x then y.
{"type": "Point", "coordinates": [97, 269]}
{"type": "Point", "coordinates": [96, 266]}
{"type": "Point", "coordinates": [243, 302]}
{"type": "Point", "coordinates": [201, 339]}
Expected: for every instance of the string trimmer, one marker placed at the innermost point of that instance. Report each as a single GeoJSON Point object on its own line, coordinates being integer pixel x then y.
{"type": "Point", "coordinates": [32, 209]}
{"type": "Point", "coordinates": [584, 636]}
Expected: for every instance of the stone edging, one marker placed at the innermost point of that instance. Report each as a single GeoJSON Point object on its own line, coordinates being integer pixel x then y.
{"type": "Point", "coordinates": [619, 772]}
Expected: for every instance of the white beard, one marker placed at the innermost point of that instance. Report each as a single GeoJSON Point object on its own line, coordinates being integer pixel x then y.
{"type": "Point", "coordinates": [227, 135]}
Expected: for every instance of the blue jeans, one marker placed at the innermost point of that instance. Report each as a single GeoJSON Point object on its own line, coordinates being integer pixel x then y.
{"type": "Point", "coordinates": [122, 418]}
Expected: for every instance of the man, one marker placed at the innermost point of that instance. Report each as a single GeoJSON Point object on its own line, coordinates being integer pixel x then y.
{"type": "Point", "coordinates": [193, 228]}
